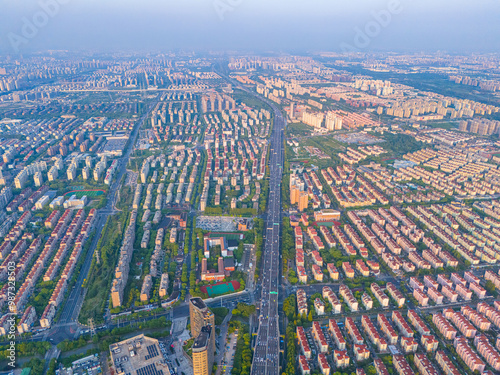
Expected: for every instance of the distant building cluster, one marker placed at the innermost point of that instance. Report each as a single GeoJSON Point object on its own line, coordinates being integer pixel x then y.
{"type": "Point", "coordinates": [487, 85]}
{"type": "Point", "coordinates": [480, 126]}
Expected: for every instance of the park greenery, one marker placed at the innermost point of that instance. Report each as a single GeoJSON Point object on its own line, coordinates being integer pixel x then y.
{"type": "Point", "coordinates": [243, 353]}
{"type": "Point", "coordinates": [220, 313]}
{"type": "Point", "coordinates": [401, 144]}
{"type": "Point", "coordinates": [36, 365]}
{"type": "Point", "coordinates": [25, 349]}
{"type": "Point", "coordinates": [103, 338]}
{"type": "Point", "coordinates": [290, 307]}
{"type": "Point", "coordinates": [290, 350]}
{"type": "Point", "coordinates": [243, 310]}
{"type": "Point", "coordinates": [101, 273]}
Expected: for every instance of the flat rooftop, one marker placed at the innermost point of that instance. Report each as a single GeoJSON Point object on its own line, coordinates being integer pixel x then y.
{"type": "Point", "coordinates": [139, 355]}
{"type": "Point", "coordinates": [198, 303]}
{"type": "Point", "coordinates": [201, 342]}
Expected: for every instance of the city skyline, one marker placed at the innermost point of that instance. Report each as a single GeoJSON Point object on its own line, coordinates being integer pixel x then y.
{"type": "Point", "coordinates": [249, 187]}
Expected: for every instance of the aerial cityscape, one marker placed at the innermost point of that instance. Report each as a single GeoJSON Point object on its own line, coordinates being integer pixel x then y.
{"type": "Point", "coordinates": [171, 209]}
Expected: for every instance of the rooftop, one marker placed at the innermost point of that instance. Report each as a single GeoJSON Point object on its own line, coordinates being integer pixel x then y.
{"type": "Point", "coordinates": [201, 342]}
{"type": "Point", "coordinates": [139, 355]}
{"type": "Point", "coordinates": [198, 303]}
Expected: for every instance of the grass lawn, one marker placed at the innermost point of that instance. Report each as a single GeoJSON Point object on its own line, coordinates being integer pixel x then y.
{"type": "Point", "coordinates": [249, 100]}
{"type": "Point", "coordinates": [298, 129]}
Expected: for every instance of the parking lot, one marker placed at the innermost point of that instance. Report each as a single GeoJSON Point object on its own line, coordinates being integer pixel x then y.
{"type": "Point", "coordinates": [167, 355]}
{"type": "Point", "coordinates": [217, 223]}
{"type": "Point", "coordinates": [177, 361]}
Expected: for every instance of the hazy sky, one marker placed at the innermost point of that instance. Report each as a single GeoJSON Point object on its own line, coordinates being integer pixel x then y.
{"type": "Point", "coordinates": [258, 25]}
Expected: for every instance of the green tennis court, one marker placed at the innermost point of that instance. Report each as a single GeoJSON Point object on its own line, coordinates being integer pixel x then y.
{"type": "Point", "coordinates": [220, 288]}
{"type": "Point", "coordinates": [88, 193]}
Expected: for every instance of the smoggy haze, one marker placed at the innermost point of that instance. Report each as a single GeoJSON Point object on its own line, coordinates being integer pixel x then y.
{"type": "Point", "coordinates": [292, 25]}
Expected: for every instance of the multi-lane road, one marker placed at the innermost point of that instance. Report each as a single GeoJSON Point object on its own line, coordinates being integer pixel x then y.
{"type": "Point", "coordinates": [267, 345]}
{"type": "Point", "coordinates": [67, 324]}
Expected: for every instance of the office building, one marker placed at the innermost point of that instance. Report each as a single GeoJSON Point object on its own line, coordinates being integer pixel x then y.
{"type": "Point", "coordinates": [139, 355]}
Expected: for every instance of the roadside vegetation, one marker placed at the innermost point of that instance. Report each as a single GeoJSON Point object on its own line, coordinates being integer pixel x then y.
{"type": "Point", "coordinates": [100, 276]}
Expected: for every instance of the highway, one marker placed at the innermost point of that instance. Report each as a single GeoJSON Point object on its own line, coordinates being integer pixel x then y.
{"type": "Point", "coordinates": [266, 354]}
{"type": "Point", "coordinates": [267, 346]}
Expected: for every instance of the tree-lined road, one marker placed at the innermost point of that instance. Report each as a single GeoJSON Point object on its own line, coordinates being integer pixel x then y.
{"type": "Point", "coordinates": [67, 325]}
{"type": "Point", "coordinates": [267, 346]}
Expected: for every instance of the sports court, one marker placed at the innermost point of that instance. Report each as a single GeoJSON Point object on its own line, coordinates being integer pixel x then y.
{"type": "Point", "coordinates": [220, 288]}
{"type": "Point", "coordinates": [88, 193]}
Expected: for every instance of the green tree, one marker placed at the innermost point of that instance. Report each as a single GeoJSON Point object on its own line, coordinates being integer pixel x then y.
{"type": "Point", "coordinates": [289, 307]}
{"type": "Point", "coordinates": [490, 287]}
{"type": "Point", "coordinates": [238, 253]}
